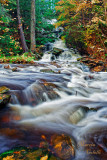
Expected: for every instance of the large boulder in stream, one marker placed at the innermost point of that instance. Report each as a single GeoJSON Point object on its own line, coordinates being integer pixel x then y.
{"type": "Point", "coordinates": [63, 146]}
{"type": "Point", "coordinates": [57, 51]}
{"type": "Point", "coordinates": [4, 98]}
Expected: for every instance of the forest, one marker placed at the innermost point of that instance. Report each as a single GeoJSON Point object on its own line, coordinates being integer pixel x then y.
{"type": "Point", "coordinates": [53, 79]}
{"type": "Point", "coordinates": [84, 24]}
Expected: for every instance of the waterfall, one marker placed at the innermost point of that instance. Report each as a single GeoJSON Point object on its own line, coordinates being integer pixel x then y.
{"type": "Point", "coordinates": [60, 96]}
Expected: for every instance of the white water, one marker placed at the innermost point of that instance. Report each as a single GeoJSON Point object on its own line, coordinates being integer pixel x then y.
{"type": "Point", "coordinates": [79, 108]}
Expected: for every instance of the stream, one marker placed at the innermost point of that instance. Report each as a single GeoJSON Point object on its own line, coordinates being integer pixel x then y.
{"type": "Point", "coordinates": [55, 97]}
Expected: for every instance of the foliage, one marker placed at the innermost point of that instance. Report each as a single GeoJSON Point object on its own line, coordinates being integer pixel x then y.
{"type": "Point", "coordinates": [57, 148]}
{"type": "Point", "coordinates": [84, 25]}
{"type": "Point", "coordinates": [9, 45]}
{"type": "Point", "coordinates": [10, 39]}
{"type": "Point", "coordinates": [24, 58]}
{"type": "Point", "coordinates": [45, 11]}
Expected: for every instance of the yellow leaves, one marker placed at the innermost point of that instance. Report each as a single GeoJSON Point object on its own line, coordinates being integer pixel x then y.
{"type": "Point", "coordinates": [43, 137]}
{"type": "Point", "coordinates": [44, 158]}
{"type": "Point", "coordinates": [3, 1]}
{"type": "Point", "coordinates": [9, 158]}
{"type": "Point", "coordinates": [58, 146]}
{"type": "Point", "coordinates": [81, 6]}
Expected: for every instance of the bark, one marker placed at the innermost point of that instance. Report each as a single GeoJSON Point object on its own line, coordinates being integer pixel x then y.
{"type": "Point", "coordinates": [22, 37]}
{"type": "Point", "coordinates": [33, 21]}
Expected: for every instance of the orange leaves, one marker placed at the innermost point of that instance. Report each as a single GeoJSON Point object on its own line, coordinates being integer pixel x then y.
{"type": "Point", "coordinates": [44, 158]}
{"type": "Point", "coordinates": [3, 1]}
{"type": "Point", "coordinates": [43, 137]}
{"type": "Point", "coordinates": [9, 158]}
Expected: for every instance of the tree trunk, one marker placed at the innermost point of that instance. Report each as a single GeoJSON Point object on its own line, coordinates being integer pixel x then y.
{"type": "Point", "coordinates": [22, 37]}
{"type": "Point", "coordinates": [33, 21]}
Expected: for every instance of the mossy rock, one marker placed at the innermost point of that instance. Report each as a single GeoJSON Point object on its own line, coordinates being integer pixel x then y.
{"type": "Point", "coordinates": [4, 99]}
{"type": "Point", "coordinates": [57, 51]}
{"type": "Point", "coordinates": [47, 70]}
{"type": "Point", "coordinates": [4, 89]}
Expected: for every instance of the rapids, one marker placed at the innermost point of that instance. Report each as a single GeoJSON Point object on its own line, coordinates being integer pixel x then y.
{"type": "Point", "coordinates": [60, 96]}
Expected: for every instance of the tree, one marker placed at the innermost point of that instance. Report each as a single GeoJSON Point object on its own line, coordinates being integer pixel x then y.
{"type": "Point", "coordinates": [33, 22]}
{"type": "Point", "coordinates": [84, 24]}
{"type": "Point", "coordinates": [9, 39]}
{"type": "Point", "coordinates": [23, 42]}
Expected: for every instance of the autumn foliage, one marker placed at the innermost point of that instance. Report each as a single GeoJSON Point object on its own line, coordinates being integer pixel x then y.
{"type": "Point", "coordinates": [85, 26]}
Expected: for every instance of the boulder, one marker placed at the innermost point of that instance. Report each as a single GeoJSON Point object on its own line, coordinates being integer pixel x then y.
{"type": "Point", "coordinates": [14, 69]}
{"type": "Point", "coordinates": [63, 146]}
{"type": "Point", "coordinates": [4, 89]}
{"type": "Point", "coordinates": [4, 98]}
{"type": "Point", "coordinates": [42, 48]}
{"type": "Point", "coordinates": [57, 51]}
{"type": "Point", "coordinates": [47, 70]}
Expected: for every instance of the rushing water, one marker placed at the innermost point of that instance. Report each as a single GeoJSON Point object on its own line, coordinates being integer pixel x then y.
{"type": "Point", "coordinates": [62, 96]}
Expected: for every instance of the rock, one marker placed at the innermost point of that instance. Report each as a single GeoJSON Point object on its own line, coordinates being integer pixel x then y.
{"type": "Point", "coordinates": [4, 99]}
{"type": "Point", "coordinates": [77, 115]}
{"type": "Point", "coordinates": [7, 66]}
{"type": "Point", "coordinates": [4, 89]}
{"type": "Point", "coordinates": [47, 70]}
{"type": "Point", "coordinates": [48, 46]}
{"type": "Point", "coordinates": [55, 64]}
{"type": "Point", "coordinates": [63, 146]}
{"type": "Point", "coordinates": [42, 48]}
{"type": "Point", "coordinates": [57, 51]}
{"type": "Point", "coordinates": [14, 69]}
{"type": "Point", "coordinates": [43, 91]}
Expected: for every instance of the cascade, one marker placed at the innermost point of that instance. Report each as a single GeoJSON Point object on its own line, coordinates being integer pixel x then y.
{"type": "Point", "coordinates": [60, 96]}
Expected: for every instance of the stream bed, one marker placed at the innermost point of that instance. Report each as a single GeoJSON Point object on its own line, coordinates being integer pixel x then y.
{"type": "Point", "coordinates": [55, 97]}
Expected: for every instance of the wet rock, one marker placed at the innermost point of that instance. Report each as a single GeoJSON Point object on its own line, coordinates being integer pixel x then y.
{"type": "Point", "coordinates": [4, 99]}
{"type": "Point", "coordinates": [43, 92]}
{"type": "Point", "coordinates": [63, 146]}
{"type": "Point", "coordinates": [14, 69]}
{"type": "Point", "coordinates": [55, 64]}
{"type": "Point", "coordinates": [47, 70]}
{"type": "Point", "coordinates": [4, 89]}
{"type": "Point", "coordinates": [42, 48]}
{"type": "Point", "coordinates": [48, 46]}
{"type": "Point", "coordinates": [7, 67]}
{"type": "Point", "coordinates": [57, 51]}
{"type": "Point", "coordinates": [77, 115]}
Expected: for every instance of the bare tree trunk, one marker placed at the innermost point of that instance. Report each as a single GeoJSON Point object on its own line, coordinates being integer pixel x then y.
{"type": "Point", "coordinates": [23, 42]}
{"type": "Point", "coordinates": [33, 21]}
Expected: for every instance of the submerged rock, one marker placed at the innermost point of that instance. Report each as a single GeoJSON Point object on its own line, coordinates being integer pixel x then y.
{"type": "Point", "coordinates": [77, 115]}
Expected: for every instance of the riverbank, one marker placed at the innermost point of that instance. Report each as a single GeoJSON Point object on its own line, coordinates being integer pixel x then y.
{"type": "Point", "coordinates": [95, 64]}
